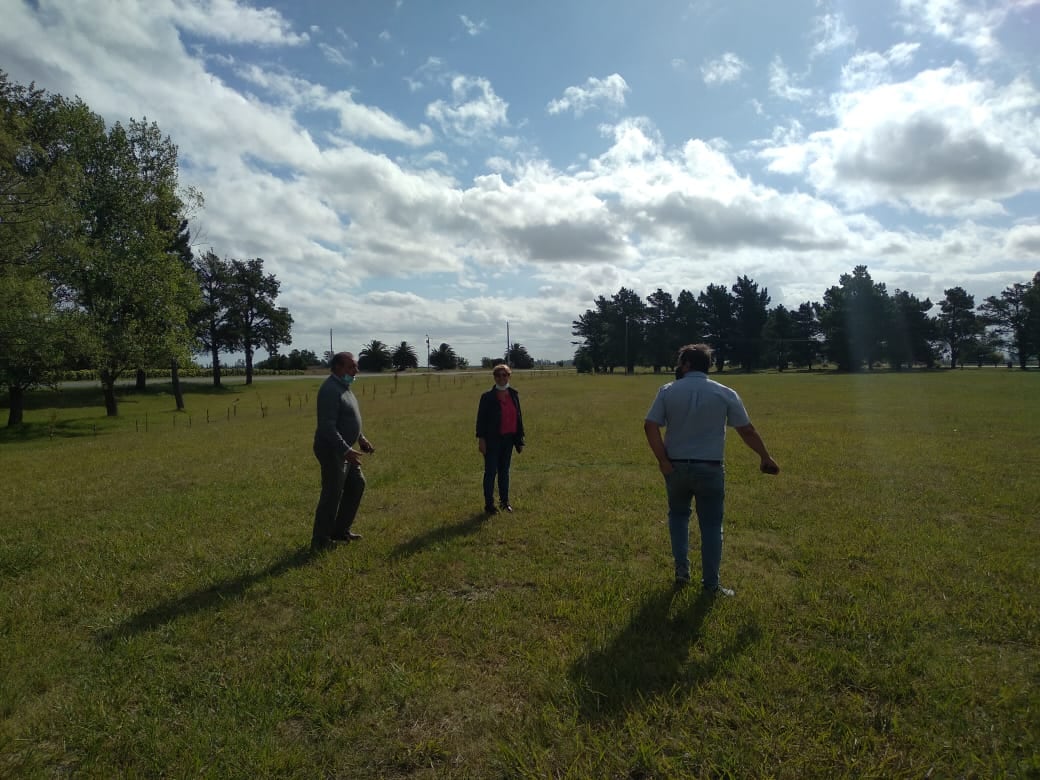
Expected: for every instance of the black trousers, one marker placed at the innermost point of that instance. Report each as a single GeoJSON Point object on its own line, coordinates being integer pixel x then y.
{"type": "Point", "coordinates": [342, 486]}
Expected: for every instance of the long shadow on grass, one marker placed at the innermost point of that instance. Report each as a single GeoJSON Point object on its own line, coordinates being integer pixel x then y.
{"type": "Point", "coordinates": [207, 598]}
{"type": "Point", "coordinates": [440, 535]}
{"type": "Point", "coordinates": [651, 656]}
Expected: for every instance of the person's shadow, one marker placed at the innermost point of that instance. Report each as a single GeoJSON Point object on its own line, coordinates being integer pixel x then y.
{"type": "Point", "coordinates": [205, 598]}
{"type": "Point", "coordinates": [440, 535]}
{"type": "Point", "coordinates": [651, 656]}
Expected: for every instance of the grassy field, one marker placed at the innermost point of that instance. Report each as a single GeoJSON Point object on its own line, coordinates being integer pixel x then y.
{"type": "Point", "coordinates": [160, 614]}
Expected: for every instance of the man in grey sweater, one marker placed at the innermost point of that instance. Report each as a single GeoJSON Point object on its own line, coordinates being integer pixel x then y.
{"type": "Point", "coordinates": [339, 429]}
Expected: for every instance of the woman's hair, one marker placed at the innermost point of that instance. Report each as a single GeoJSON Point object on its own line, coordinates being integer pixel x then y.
{"type": "Point", "coordinates": [502, 367]}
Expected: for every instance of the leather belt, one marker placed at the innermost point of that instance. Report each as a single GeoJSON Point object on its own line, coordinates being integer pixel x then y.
{"type": "Point", "coordinates": [695, 460]}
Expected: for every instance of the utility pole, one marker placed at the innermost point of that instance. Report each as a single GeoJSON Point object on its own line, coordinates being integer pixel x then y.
{"type": "Point", "coordinates": [427, 351]}
{"type": "Point", "coordinates": [331, 353]}
{"type": "Point", "coordinates": [507, 343]}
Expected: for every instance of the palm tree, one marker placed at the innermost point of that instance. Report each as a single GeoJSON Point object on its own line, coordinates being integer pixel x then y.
{"type": "Point", "coordinates": [404, 357]}
{"type": "Point", "coordinates": [375, 357]}
{"type": "Point", "coordinates": [444, 357]}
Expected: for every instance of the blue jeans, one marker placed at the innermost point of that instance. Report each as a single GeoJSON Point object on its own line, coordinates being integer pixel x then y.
{"type": "Point", "coordinates": [498, 455]}
{"type": "Point", "coordinates": [704, 483]}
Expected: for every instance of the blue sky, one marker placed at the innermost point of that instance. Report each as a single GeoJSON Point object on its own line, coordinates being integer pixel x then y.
{"type": "Point", "coordinates": [411, 168]}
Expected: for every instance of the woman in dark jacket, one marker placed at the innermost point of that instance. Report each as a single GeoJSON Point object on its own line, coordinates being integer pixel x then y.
{"type": "Point", "coordinates": [500, 428]}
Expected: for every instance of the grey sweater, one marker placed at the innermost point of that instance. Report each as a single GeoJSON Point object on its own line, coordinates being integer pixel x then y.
{"type": "Point", "coordinates": [339, 417]}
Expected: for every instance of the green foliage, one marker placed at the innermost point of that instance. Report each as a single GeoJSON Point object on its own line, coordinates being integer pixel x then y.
{"type": "Point", "coordinates": [164, 619]}
{"type": "Point", "coordinates": [297, 360]}
{"type": "Point", "coordinates": [444, 358]}
{"type": "Point", "coordinates": [253, 317]}
{"type": "Point", "coordinates": [404, 357]}
{"type": "Point", "coordinates": [518, 357]}
{"type": "Point", "coordinates": [376, 356]}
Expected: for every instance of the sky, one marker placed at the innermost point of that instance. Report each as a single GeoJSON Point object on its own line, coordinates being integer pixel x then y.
{"type": "Point", "coordinates": [437, 169]}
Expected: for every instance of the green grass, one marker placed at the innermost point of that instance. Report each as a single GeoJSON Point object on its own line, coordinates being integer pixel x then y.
{"type": "Point", "coordinates": [160, 616]}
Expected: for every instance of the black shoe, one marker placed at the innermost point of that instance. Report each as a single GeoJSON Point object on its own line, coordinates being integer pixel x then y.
{"type": "Point", "coordinates": [681, 582]}
{"type": "Point", "coordinates": [506, 508]}
{"type": "Point", "coordinates": [350, 537]}
{"type": "Point", "coordinates": [490, 510]}
{"type": "Point", "coordinates": [323, 545]}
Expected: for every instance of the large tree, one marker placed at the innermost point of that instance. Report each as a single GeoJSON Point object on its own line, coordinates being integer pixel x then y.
{"type": "Point", "coordinates": [215, 329]}
{"type": "Point", "coordinates": [662, 330]}
{"type": "Point", "coordinates": [805, 343]}
{"type": "Point", "coordinates": [137, 295]}
{"type": "Point", "coordinates": [375, 357]}
{"type": "Point", "coordinates": [958, 323]}
{"type": "Point", "coordinates": [404, 357]}
{"type": "Point", "coordinates": [591, 347]}
{"type": "Point", "coordinates": [444, 358]}
{"type": "Point", "coordinates": [689, 321]}
{"type": "Point", "coordinates": [1033, 317]}
{"type": "Point", "coordinates": [255, 319]}
{"type": "Point", "coordinates": [750, 312]}
{"type": "Point", "coordinates": [778, 333]}
{"type": "Point", "coordinates": [1008, 315]}
{"type": "Point", "coordinates": [909, 332]}
{"type": "Point", "coordinates": [518, 357]}
{"type": "Point", "coordinates": [716, 309]}
{"type": "Point", "coordinates": [853, 320]}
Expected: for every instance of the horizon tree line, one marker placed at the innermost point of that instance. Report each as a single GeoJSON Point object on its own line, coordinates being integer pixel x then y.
{"type": "Point", "coordinates": [857, 325]}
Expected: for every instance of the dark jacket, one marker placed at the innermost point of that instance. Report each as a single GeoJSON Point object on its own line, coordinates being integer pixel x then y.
{"type": "Point", "coordinates": [489, 416]}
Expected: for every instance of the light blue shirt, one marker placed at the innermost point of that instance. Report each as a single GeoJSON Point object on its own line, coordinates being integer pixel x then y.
{"type": "Point", "coordinates": [694, 411]}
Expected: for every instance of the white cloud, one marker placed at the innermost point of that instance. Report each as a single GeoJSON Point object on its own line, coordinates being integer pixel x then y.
{"type": "Point", "coordinates": [831, 32]}
{"type": "Point", "coordinates": [474, 110]}
{"type": "Point", "coordinates": [609, 92]}
{"type": "Point", "coordinates": [870, 69]}
{"type": "Point", "coordinates": [781, 83]}
{"type": "Point", "coordinates": [1023, 241]}
{"type": "Point", "coordinates": [229, 20]}
{"type": "Point", "coordinates": [724, 69]}
{"type": "Point", "coordinates": [334, 55]}
{"type": "Point", "coordinates": [473, 28]}
{"type": "Point", "coordinates": [970, 23]}
{"type": "Point", "coordinates": [943, 143]}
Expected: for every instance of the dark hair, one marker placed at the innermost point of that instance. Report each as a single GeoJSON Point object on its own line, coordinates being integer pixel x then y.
{"type": "Point", "coordinates": [696, 356]}
{"type": "Point", "coordinates": [339, 359]}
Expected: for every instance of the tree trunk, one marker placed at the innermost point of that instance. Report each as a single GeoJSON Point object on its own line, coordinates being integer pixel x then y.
{"type": "Point", "coordinates": [249, 366]}
{"type": "Point", "coordinates": [175, 377]}
{"type": "Point", "coordinates": [108, 385]}
{"type": "Point", "coordinates": [216, 367]}
{"type": "Point", "coordinates": [17, 405]}
{"type": "Point", "coordinates": [142, 378]}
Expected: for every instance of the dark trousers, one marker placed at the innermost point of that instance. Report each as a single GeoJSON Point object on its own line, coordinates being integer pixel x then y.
{"type": "Point", "coordinates": [497, 457]}
{"type": "Point", "coordinates": [342, 486]}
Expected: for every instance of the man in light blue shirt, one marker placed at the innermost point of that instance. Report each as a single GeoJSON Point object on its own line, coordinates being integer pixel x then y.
{"type": "Point", "coordinates": [695, 412]}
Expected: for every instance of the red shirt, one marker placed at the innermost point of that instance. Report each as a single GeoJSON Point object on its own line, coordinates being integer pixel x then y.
{"type": "Point", "coordinates": [505, 402]}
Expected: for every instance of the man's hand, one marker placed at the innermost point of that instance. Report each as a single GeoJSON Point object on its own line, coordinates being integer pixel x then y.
{"type": "Point", "coordinates": [666, 467]}
{"type": "Point", "coordinates": [366, 446]}
{"type": "Point", "coordinates": [769, 466]}
{"type": "Point", "coordinates": [482, 446]}
{"type": "Point", "coordinates": [353, 457]}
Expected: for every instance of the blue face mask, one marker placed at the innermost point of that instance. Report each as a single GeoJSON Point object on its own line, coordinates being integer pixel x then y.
{"type": "Point", "coordinates": [348, 380]}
